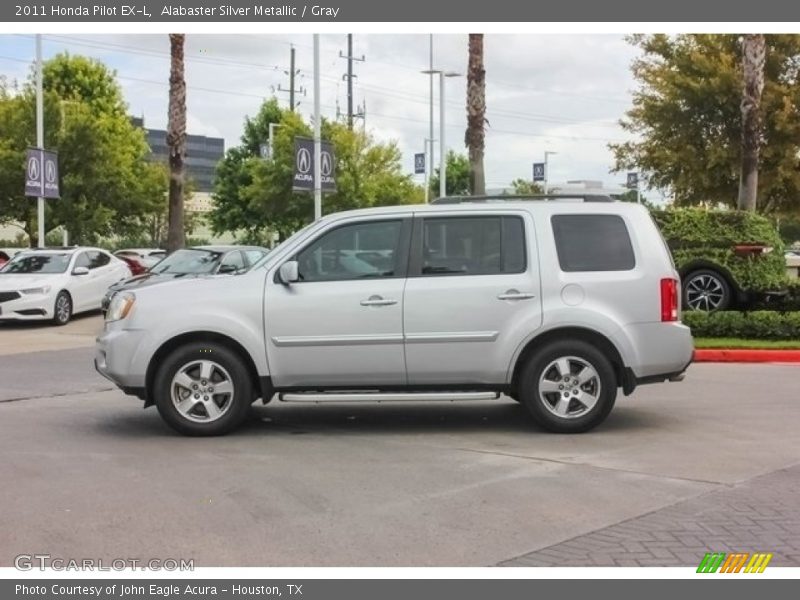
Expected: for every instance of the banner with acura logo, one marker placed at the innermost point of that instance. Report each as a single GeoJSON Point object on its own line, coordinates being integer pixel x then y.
{"type": "Point", "coordinates": [304, 165]}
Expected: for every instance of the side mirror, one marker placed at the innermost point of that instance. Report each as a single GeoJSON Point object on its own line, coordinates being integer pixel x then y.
{"type": "Point", "coordinates": [80, 271]}
{"type": "Point", "coordinates": [288, 272]}
{"type": "Point", "coordinates": [227, 269]}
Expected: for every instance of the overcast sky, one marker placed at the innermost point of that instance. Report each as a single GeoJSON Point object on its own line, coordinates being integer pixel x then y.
{"type": "Point", "coordinates": [563, 93]}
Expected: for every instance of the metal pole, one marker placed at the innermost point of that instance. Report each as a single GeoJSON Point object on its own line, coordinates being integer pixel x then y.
{"type": "Point", "coordinates": [442, 150]}
{"type": "Point", "coordinates": [546, 174]}
{"type": "Point", "coordinates": [271, 142]}
{"type": "Point", "coordinates": [40, 135]}
{"type": "Point", "coordinates": [317, 136]}
{"type": "Point", "coordinates": [430, 162]}
{"type": "Point", "coordinates": [291, 79]}
{"type": "Point", "coordinates": [427, 181]}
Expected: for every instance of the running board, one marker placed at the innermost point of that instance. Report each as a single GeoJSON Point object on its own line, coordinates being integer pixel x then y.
{"type": "Point", "coordinates": [385, 396]}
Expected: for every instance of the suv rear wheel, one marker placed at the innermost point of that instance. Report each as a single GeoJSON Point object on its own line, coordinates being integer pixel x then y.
{"type": "Point", "coordinates": [203, 389]}
{"type": "Point", "coordinates": [568, 386]}
{"type": "Point", "coordinates": [706, 290]}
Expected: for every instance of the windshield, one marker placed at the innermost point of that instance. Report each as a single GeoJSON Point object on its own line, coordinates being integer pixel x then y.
{"type": "Point", "coordinates": [189, 261]}
{"type": "Point", "coordinates": [37, 263]}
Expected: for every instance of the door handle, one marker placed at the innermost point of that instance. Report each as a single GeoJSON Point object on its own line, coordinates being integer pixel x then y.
{"type": "Point", "coordinates": [378, 301]}
{"type": "Point", "coordinates": [515, 295]}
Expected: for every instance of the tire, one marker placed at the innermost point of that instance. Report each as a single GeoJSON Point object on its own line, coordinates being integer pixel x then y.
{"type": "Point", "coordinates": [589, 402]}
{"type": "Point", "coordinates": [706, 290]}
{"type": "Point", "coordinates": [62, 309]}
{"type": "Point", "coordinates": [205, 410]}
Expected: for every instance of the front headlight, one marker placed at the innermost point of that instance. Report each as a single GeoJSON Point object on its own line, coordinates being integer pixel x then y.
{"type": "Point", "coordinates": [120, 307]}
{"type": "Point", "coordinates": [45, 289]}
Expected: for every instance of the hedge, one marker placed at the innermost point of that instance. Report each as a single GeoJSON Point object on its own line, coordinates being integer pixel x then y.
{"type": "Point", "coordinates": [697, 234]}
{"type": "Point", "coordinates": [754, 325]}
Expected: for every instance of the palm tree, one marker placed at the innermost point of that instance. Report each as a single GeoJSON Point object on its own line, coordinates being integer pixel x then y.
{"type": "Point", "coordinates": [476, 114]}
{"type": "Point", "coordinates": [176, 142]}
{"type": "Point", "coordinates": [753, 57]}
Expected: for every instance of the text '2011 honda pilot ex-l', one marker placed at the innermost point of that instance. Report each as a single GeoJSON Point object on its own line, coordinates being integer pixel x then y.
{"type": "Point", "coordinates": [555, 302]}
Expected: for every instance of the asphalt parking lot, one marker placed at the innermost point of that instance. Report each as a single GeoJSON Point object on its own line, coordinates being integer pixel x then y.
{"type": "Point", "coordinates": [677, 470]}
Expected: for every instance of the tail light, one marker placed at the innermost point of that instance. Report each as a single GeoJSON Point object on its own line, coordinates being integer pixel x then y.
{"type": "Point", "coordinates": [751, 249]}
{"type": "Point", "coordinates": [669, 300]}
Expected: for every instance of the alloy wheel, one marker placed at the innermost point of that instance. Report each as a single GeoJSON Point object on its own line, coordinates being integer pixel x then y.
{"type": "Point", "coordinates": [569, 387]}
{"type": "Point", "coordinates": [202, 391]}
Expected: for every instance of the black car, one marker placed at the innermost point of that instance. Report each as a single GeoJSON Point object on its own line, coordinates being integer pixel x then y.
{"type": "Point", "coordinates": [197, 261]}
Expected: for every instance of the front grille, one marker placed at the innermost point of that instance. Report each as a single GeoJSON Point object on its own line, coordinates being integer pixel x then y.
{"type": "Point", "coordinates": [6, 296]}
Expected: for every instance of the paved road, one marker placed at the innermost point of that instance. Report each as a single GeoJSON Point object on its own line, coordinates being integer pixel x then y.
{"type": "Point", "coordinates": [95, 475]}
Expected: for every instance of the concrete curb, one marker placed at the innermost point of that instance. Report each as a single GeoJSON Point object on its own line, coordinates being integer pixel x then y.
{"type": "Point", "coordinates": [746, 356]}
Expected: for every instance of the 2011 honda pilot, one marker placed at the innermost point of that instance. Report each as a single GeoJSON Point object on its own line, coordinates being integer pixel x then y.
{"type": "Point", "coordinates": [555, 302]}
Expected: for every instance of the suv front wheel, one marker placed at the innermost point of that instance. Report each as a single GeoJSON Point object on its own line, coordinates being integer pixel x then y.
{"type": "Point", "coordinates": [203, 389]}
{"type": "Point", "coordinates": [568, 386]}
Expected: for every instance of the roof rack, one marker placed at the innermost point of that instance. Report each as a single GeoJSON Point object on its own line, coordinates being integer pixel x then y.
{"type": "Point", "coordinates": [507, 197]}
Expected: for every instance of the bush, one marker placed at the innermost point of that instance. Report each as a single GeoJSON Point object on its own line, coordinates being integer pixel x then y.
{"type": "Point", "coordinates": [754, 325]}
{"type": "Point", "coordinates": [695, 234]}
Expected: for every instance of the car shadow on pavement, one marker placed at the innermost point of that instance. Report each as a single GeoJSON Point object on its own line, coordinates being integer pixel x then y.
{"type": "Point", "coordinates": [502, 416]}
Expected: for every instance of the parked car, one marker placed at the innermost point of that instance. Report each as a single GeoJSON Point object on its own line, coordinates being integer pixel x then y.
{"type": "Point", "coordinates": [148, 257]}
{"type": "Point", "coordinates": [55, 283]}
{"type": "Point", "coordinates": [193, 262]}
{"type": "Point", "coordinates": [6, 254]}
{"type": "Point", "coordinates": [134, 264]}
{"type": "Point", "coordinates": [725, 258]}
{"type": "Point", "coordinates": [557, 304]}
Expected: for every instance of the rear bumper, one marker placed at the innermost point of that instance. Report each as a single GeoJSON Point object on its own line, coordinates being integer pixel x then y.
{"type": "Point", "coordinates": [630, 381]}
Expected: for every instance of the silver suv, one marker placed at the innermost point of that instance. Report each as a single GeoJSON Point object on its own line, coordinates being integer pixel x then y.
{"type": "Point", "coordinates": [557, 304]}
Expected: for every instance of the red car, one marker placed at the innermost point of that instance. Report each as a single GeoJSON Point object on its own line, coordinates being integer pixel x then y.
{"type": "Point", "coordinates": [4, 257]}
{"type": "Point", "coordinates": [136, 267]}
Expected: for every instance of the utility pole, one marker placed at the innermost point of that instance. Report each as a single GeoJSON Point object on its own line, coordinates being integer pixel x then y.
{"type": "Point", "coordinates": [292, 73]}
{"type": "Point", "coordinates": [40, 135]}
{"type": "Point", "coordinates": [349, 78]}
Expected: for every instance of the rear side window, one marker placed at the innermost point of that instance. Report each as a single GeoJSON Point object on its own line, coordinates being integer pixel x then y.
{"type": "Point", "coordinates": [592, 243]}
{"type": "Point", "coordinates": [473, 245]}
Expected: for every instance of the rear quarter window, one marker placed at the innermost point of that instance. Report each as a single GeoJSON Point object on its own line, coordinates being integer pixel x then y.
{"type": "Point", "coordinates": [592, 243]}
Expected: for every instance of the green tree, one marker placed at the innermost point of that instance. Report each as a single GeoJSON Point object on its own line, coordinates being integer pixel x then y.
{"type": "Point", "coordinates": [458, 176]}
{"type": "Point", "coordinates": [107, 185]}
{"type": "Point", "coordinates": [254, 196]}
{"type": "Point", "coordinates": [524, 187]}
{"type": "Point", "coordinates": [687, 119]}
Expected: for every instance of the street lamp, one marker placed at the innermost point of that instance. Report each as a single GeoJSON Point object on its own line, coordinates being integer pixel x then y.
{"type": "Point", "coordinates": [442, 143]}
{"type": "Point", "coordinates": [547, 154]}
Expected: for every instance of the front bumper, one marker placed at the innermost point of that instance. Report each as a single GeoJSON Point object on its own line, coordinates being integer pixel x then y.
{"type": "Point", "coordinates": [116, 353]}
{"type": "Point", "coordinates": [27, 308]}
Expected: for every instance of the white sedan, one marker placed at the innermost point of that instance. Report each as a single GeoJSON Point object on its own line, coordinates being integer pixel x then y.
{"type": "Point", "coordinates": [57, 283]}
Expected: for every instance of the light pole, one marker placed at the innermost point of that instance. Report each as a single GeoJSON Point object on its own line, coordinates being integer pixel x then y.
{"type": "Point", "coordinates": [40, 136]}
{"type": "Point", "coordinates": [317, 136]}
{"type": "Point", "coordinates": [442, 135]}
{"type": "Point", "coordinates": [430, 138]}
{"type": "Point", "coordinates": [547, 154]}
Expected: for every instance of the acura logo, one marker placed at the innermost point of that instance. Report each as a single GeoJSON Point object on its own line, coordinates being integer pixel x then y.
{"type": "Point", "coordinates": [326, 164]}
{"type": "Point", "coordinates": [33, 168]}
{"type": "Point", "coordinates": [50, 171]}
{"type": "Point", "coordinates": [303, 160]}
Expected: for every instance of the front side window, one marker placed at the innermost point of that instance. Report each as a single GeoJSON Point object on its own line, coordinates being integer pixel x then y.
{"type": "Point", "coordinates": [593, 243]}
{"type": "Point", "coordinates": [233, 262]}
{"type": "Point", "coordinates": [473, 245]}
{"type": "Point", "coordinates": [98, 259]}
{"type": "Point", "coordinates": [358, 251]}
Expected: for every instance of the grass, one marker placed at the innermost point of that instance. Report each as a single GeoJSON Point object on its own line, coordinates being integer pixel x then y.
{"type": "Point", "coordinates": [749, 344]}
